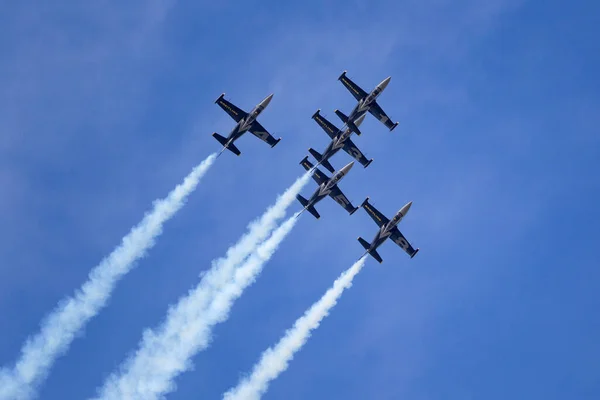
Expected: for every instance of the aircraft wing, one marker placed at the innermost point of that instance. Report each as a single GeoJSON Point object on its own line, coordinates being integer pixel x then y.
{"type": "Point", "coordinates": [352, 87]}
{"type": "Point", "coordinates": [317, 175]}
{"type": "Point", "coordinates": [378, 113]}
{"type": "Point", "coordinates": [260, 132]}
{"type": "Point", "coordinates": [327, 126]}
{"type": "Point", "coordinates": [341, 199]}
{"type": "Point", "coordinates": [350, 148]}
{"type": "Point", "coordinates": [234, 112]}
{"type": "Point", "coordinates": [375, 214]}
{"type": "Point", "coordinates": [401, 241]}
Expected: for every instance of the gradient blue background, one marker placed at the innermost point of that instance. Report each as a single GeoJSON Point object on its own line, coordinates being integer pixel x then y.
{"type": "Point", "coordinates": [106, 106]}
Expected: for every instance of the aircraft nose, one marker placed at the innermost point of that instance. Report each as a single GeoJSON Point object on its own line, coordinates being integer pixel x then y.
{"type": "Point", "coordinates": [267, 100]}
{"type": "Point", "coordinates": [347, 167]}
{"type": "Point", "coordinates": [405, 209]}
{"type": "Point", "coordinates": [384, 83]}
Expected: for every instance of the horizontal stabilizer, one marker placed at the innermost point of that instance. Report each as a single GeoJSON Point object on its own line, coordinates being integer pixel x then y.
{"type": "Point", "coordinates": [231, 147]}
{"type": "Point", "coordinates": [319, 157]}
{"type": "Point", "coordinates": [328, 166]}
{"type": "Point", "coordinates": [341, 116]}
{"type": "Point", "coordinates": [310, 209]}
{"type": "Point", "coordinates": [302, 200]}
{"type": "Point", "coordinates": [373, 253]}
{"type": "Point", "coordinates": [364, 243]}
{"type": "Point", "coordinates": [347, 121]}
{"type": "Point", "coordinates": [313, 211]}
{"type": "Point", "coordinates": [376, 256]}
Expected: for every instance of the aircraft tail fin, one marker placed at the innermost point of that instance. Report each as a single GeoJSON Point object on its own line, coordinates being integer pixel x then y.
{"type": "Point", "coordinates": [308, 208]}
{"type": "Point", "coordinates": [347, 121]}
{"type": "Point", "coordinates": [229, 146]}
{"type": "Point", "coordinates": [319, 157]}
{"type": "Point", "coordinates": [373, 253]}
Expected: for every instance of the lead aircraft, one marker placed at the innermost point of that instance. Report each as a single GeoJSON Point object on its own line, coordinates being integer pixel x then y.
{"type": "Point", "coordinates": [366, 102]}
{"type": "Point", "coordinates": [245, 122]}
{"type": "Point", "coordinates": [387, 229]}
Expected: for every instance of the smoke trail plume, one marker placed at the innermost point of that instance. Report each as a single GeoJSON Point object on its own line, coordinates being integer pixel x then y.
{"type": "Point", "coordinates": [62, 325]}
{"type": "Point", "coordinates": [164, 353]}
{"type": "Point", "coordinates": [276, 359]}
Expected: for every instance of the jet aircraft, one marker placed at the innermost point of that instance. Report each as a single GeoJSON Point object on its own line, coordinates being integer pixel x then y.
{"type": "Point", "coordinates": [245, 122]}
{"type": "Point", "coordinates": [366, 102]}
{"type": "Point", "coordinates": [327, 186]}
{"type": "Point", "coordinates": [387, 229]}
{"type": "Point", "coordinates": [339, 140]}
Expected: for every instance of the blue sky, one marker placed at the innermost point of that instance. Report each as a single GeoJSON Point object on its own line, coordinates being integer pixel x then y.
{"type": "Point", "coordinates": [106, 107]}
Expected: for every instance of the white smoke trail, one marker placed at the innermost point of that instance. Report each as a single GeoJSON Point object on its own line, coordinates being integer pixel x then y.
{"type": "Point", "coordinates": [62, 325]}
{"type": "Point", "coordinates": [163, 354]}
{"type": "Point", "coordinates": [276, 359]}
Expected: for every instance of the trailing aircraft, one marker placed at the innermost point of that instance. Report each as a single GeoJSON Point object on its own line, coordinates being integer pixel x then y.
{"type": "Point", "coordinates": [245, 122]}
{"type": "Point", "coordinates": [339, 140]}
{"type": "Point", "coordinates": [327, 187]}
{"type": "Point", "coordinates": [366, 102]}
{"type": "Point", "coordinates": [387, 229]}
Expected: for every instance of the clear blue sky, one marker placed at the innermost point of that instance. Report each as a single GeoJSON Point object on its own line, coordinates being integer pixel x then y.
{"type": "Point", "coordinates": [106, 107]}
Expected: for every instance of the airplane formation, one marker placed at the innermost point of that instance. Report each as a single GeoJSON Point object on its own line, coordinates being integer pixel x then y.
{"type": "Point", "coordinates": [340, 139]}
{"type": "Point", "coordinates": [146, 373]}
